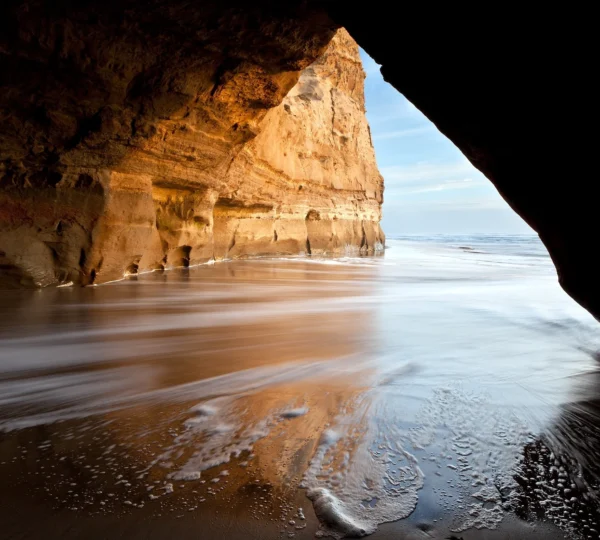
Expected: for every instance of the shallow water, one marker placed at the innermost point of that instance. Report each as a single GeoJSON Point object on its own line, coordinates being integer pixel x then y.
{"type": "Point", "coordinates": [449, 384]}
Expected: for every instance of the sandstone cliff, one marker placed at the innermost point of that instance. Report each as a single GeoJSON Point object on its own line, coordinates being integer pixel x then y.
{"type": "Point", "coordinates": [148, 181]}
{"type": "Point", "coordinates": [309, 181]}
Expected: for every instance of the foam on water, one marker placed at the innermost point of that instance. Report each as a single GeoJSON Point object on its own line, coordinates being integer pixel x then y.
{"type": "Point", "coordinates": [482, 446]}
{"type": "Point", "coordinates": [361, 476]}
{"type": "Point", "coordinates": [216, 433]}
{"type": "Point", "coordinates": [294, 413]}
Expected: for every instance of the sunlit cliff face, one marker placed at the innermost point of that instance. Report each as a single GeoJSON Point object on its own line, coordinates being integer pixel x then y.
{"type": "Point", "coordinates": [166, 163]}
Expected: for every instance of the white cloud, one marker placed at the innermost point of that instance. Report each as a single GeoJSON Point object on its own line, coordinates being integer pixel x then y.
{"type": "Point", "coordinates": [427, 171]}
{"type": "Point", "coordinates": [485, 202]}
{"type": "Point", "coordinates": [427, 177]}
{"type": "Point", "coordinates": [408, 132]}
{"type": "Point", "coordinates": [396, 109]}
{"type": "Point", "coordinates": [465, 183]}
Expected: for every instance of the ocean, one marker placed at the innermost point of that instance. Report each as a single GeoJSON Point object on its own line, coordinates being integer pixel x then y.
{"type": "Point", "coordinates": [447, 388]}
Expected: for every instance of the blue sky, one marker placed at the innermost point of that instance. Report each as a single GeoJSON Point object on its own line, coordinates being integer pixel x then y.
{"type": "Point", "coordinates": [430, 187]}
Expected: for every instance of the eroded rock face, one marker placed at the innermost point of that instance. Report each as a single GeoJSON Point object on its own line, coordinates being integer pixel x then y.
{"type": "Point", "coordinates": [157, 137]}
{"type": "Point", "coordinates": [309, 181]}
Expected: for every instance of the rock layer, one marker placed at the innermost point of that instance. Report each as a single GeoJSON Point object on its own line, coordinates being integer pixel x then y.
{"type": "Point", "coordinates": [309, 178]}
{"type": "Point", "coordinates": [156, 164]}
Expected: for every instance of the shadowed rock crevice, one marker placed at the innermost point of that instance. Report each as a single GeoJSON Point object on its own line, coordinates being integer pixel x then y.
{"type": "Point", "coordinates": [180, 257]}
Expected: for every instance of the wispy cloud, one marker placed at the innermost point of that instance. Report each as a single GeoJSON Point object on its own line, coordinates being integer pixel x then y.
{"type": "Point", "coordinates": [408, 132]}
{"type": "Point", "coordinates": [394, 108]}
{"type": "Point", "coordinates": [479, 203]}
{"type": "Point", "coordinates": [428, 171]}
{"type": "Point", "coordinates": [465, 183]}
{"type": "Point", "coordinates": [426, 177]}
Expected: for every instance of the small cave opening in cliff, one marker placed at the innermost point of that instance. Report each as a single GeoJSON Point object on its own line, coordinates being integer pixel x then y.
{"type": "Point", "coordinates": [133, 268]}
{"type": "Point", "coordinates": [180, 257]}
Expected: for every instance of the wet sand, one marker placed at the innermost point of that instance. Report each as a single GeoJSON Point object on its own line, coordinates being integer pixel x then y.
{"type": "Point", "coordinates": [90, 479]}
{"type": "Point", "coordinates": [211, 402]}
